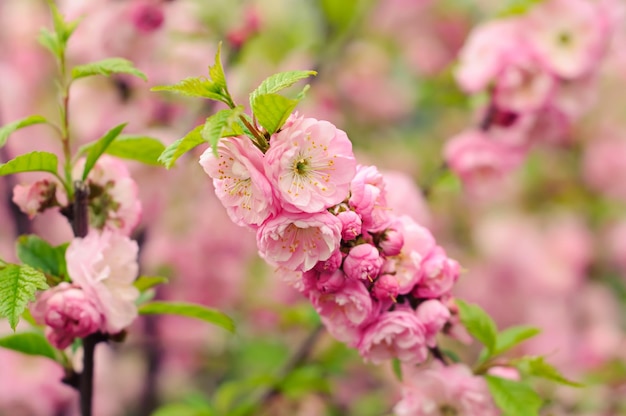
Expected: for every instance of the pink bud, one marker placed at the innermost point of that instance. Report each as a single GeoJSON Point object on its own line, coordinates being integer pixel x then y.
{"type": "Point", "coordinates": [385, 287]}
{"type": "Point", "coordinates": [363, 262]}
{"type": "Point", "coordinates": [147, 16]}
{"type": "Point", "coordinates": [392, 242]}
{"type": "Point", "coordinates": [330, 265]}
{"type": "Point", "coordinates": [331, 282]}
{"type": "Point", "coordinates": [350, 225]}
{"type": "Point", "coordinates": [36, 197]}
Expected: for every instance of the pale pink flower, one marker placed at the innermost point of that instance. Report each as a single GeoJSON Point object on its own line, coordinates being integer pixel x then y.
{"type": "Point", "coordinates": [113, 202]}
{"type": "Point", "coordinates": [310, 164]}
{"type": "Point", "coordinates": [404, 197]}
{"type": "Point", "coordinates": [367, 198]}
{"type": "Point", "coordinates": [568, 36]}
{"type": "Point", "coordinates": [36, 197]}
{"type": "Point", "coordinates": [68, 313]}
{"type": "Point", "coordinates": [345, 311]}
{"type": "Point", "coordinates": [396, 334]}
{"type": "Point", "coordinates": [442, 390]}
{"type": "Point", "coordinates": [363, 262]}
{"type": "Point", "coordinates": [438, 274]}
{"type": "Point", "coordinates": [299, 241]}
{"type": "Point", "coordinates": [104, 265]}
{"type": "Point", "coordinates": [239, 181]}
{"type": "Point", "coordinates": [433, 315]}
{"type": "Point", "coordinates": [351, 225]}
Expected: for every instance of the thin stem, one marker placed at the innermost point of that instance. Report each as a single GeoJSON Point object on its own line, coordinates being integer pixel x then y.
{"type": "Point", "coordinates": [86, 377]}
{"type": "Point", "coordinates": [80, 220]}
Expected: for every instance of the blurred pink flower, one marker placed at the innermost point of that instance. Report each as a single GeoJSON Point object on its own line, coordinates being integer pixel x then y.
{"type": "Point", "coordinates": [36, 197]}
{"type": "Point", "coordinates": [433, 315]}
{"type": "Point", "coordinates": [310, 165]}
{"type": "Point", "coordinates": [104, 266]}
{"type": "Point", "coordinates": [438, 273]}
{"type": "Point", "coordinates": [239, 181]}
{"type": "Point", "coordinates": [68, 313]}
{"type": "Point", "coordinates": [604, 166]}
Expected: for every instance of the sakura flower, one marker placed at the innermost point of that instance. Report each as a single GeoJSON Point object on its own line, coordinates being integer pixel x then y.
{"type": "Point", "coordinates": [363, 262]}
{"type": "Point", "coordinates": [434, 315]}
{"type": "Point", "coordinates": [396, 334]}
{"type": "Point", "coordinates": [437, 275]}
{"type": "Point", "coordinates": [36, 197]}
{"type": "Point", "coordinates": [418, 242]}
{"type": "Point", "coordinates": [68, 313]}
{"type": "Point", "coordinates": [351, 224]}
{"type": "Point", "coordinates": [299, 241]}
{"type": "Point", "coordinates": [104, 266]}
{"type": "Point", "coordinates": [310, 164]}
{"type": "Point", "coordinates": [367, 198]}
{"type": "Point", "coordinates": [385, 287]}
{"type": "Point", "coordinates": [239, 181]}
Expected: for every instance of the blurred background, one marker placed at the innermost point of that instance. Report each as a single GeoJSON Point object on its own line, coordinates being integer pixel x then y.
{"type": "Point", "coordinates": [545, 246]}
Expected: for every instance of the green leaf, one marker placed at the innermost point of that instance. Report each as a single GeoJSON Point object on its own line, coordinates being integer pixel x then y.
{"type": "Point", "coordinates": [397, 368]}
{"type": "Point", "coordinates": [216, 72]}
{"type": "Point", "coordinates": [517, 7]}
{"type": "Point", "coordinates": [305, 380]}
{"type": "Point", "coordinates": [479, 324]}
{"type": "Point", "coordinates": [218, 124]}
{"type": "Point", "coordinates": [18, 285]}
{"type": "Point", "coordinates": [181, 146]}
{"type": "Point", "coordinates": [272, 110]}
{"type": "Point", "coordinates": [513, 336]}
{"type": "Point", "coordinates": [7, 129]}
{"type": "Point", "coordinates": [182, 409]}
{"type": "Point", "coordinates": [277, 82]}
{"type": "Point", "coordinates": [514, 398]}
{"type": "Point", "coordinates": [139, 148]}
{"type": "Point", "coordinates": [189, 310]}
{"type": "Point", "coordinates": [50, 41]}
{"type": "Point", "coordinates": [107, 67]}
{"type": "Point", "coordinates": [538, 367]}
{"type": "Point", "coordinates": [31, 162]}
{"type": "Point", "coordinates": [31, 343]}
{"type": "Point", "coordinates": [38, 253]}
{"type": "Point", "coordinates": [144, 283]}
{"type": "Point", "coordinates": [195, 87]}
{"type": "Point", "coordinates": [99, 147]}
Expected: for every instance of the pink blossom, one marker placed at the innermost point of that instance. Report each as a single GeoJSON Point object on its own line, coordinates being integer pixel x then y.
{"type": "Point", "coordinates": [433, 315]}
{"type": "Point", "coordinates": [299, 241]}
{"type": "Point", "coordinates": [441, 390]}
{"type": "Point", "coordinates": [363, 262]}
{"type": "Point", "coordinates": [330, 282]}
{"type": "Point", "coordinates": [113, 203]}
{"type": "Point", "coordinates": [36, 197]}
{"type": "Point", "coordinates": [68, 313]}
{"type": "Point", "coordinates": [310, 164]}
{"type": "Point", "coordinates": [404, 197]}
{"type": "Point", "coordinates": [345, 311]}
{"type": "Point", "coordinates": [104, 265]}
{"type": "Point", "coordinates": [385, 287]}
{"type": "Point", "coordinates": [331, 264]}
{"type": "Point", "coordinates": [239, 181]}
{"type": "Point", "coordinates": [569, 36]}
{"type": "Point", "coordinates": [391, 242]}
{"type": "Point", "coordinates": [418, 242]}
{"type": "Point", "coordinates": [604, 168]}
{"type": "Point", "coordinates": [147, 16]}
{"type": "Point", "coordinates": [437, 275]}
{"type": "Point", "coordinates": [351, 225]}
{"type": "Point", "coordinates": [367, 198]}
{"type": "Point", "coordinates": [396, 334]}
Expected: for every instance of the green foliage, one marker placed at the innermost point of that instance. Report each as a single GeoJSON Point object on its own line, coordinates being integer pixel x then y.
{"type": "Point", "coordinates": [7, 129]}
{"type": "Point", "coordinates": [305, 380]}
{"type": "Point", "coordinates": [39, 254]}
{"type": "Point", "coordinates": [50, 41]}
{"type": "Point", "coordinates": [139, 148]}
{"type": "Point", "coordinates": [56, 41]}
{"type": "Point", "coordinates": [218, 124]}
{"type": "Point", "coordinates": [183, 409]}
{"type": "Point", "coordinates": [517, 7]}
{"type": "Point", "coordinates": [511, 337]}
{"type": "Point", "coordinates": [514, 398]}
{"type": "Point", "coordinates": [479, 324]}
{"type": "Point", "coordinates": [144, 283]}
{"type": "Point", "coordinates": [278, 82]}
{"type": "Point", "coordinates": [95, 150]}
{"type": "Point", "coordinates": [31, 162]}
{"type": "Point", "coordinates": [30, 343]}
{"type": "Point", "coordinates": [189, 310]}
{"type": "Point", "coordinates": [538, 367]}
{"type": "Point", "coordinates": [397, 368]}
{"type": "Point", "coordinates": [272, 110]}
{"type": "Point", "coordinates": [181, 146]}
{"type": "Point", "coordinates": [338, 13]}
{"type": "Point", "coordinates": [18, 285]}
{"type": "Point", "coordinates": [107, 67]}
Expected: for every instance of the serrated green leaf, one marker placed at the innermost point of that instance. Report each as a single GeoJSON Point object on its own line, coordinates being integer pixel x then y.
{"type": "Point", "coordinates": [188, 310]}
{"type": "Point", "coordinates": [139, 148]}
{"type": "Point", "coordinates": [278, 82]}
{"type": "Point", "coordinates": [31, 162]}
{"type": "Point", "coordinates": [479, 324]}
{"type": "Point", "coordinates": [144, 283]}
{"type": "Point", "coordinates": [181, 146]}
{"type": "Point", "coordinates": [99, 147]}
{"type": "Point", "coordinates": [195, 87]}
{"type": "Point", "coordinates": [50, 41]}
{"type": "Point", "coordinates": [30, 343]}
{"type": "Point", "coordinates": [7, 129]}
{"type": "Point", "coordinates": [514, 398]}
{"type": "Point", "coordinates": [218, 124]}
{"type": "Point", "coordinates": [538, 367]}
{"type": "Point", "coordinates": [18, 285]}
{"type": "Point", "coordinates": [216, 72]}
{"type": "Point", "coordinates": [107, 67]}
{"type": "Point", "coordinates": [38, 253]}
{"type": "Point", "coordinates": [272, 110]}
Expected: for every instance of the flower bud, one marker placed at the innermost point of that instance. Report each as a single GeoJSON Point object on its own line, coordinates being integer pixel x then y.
{"type": "Point", "coordinates": [331, 282]}
{"type": "Point", "coordinates": [392, 242]}
{"type": "Point", "coordinates": [363, 262]}
{"type": "Point", "coordinates": [350, 225]}
{"type": "Point", "coordinates": [385, 287]}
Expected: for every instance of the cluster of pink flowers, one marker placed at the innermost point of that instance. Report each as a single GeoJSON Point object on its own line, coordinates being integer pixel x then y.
{"type": "Point", "coordinates": [539, 71]}
{"type": "Point", "coordinates": [379, 281]}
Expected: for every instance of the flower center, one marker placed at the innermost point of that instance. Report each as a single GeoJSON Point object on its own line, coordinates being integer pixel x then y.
{"type": "Point", "coordinates": [565, 38]}
{"type": "Point", "coordinates": [301, 166]}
